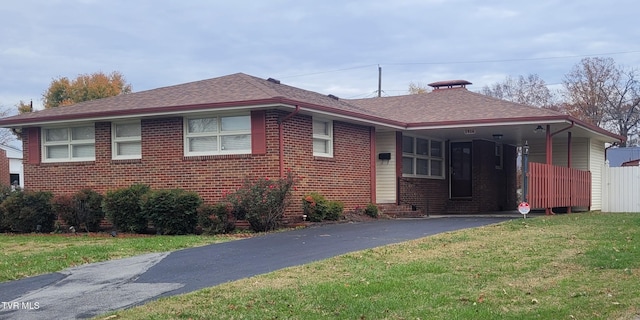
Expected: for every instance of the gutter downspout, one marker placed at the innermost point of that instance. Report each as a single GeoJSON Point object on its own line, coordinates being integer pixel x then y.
{"type": "Point", "coordinates": [372, 164]}
{"type": "Point", "coordinates": [281, 121]}
{"type": "Point", "coordinates": [549, 160]}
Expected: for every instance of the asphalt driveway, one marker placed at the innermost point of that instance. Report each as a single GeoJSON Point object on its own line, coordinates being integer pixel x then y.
{"type": "Point", "coordinates": [86, 291]}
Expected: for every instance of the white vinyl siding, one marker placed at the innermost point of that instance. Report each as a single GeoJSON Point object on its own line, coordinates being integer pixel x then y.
{"type": "Point", "coordinates": [596, 162]}
{"type": "Point", "coordinates": [212, 135]}
{"type": "Point", "coordinates": [322, 138]}
{"type": "Point", "coordinates": [63, 144]}
{"type": "Point", "coordinates": [386, 169]}
{"type": "Point", "coordinates": [126, 140]}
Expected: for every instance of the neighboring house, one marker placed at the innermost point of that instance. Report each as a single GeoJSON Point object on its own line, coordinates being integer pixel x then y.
{"type": "Point", "coordinates": [448, 151]}
{"type": "Point", "coordinates": [618, 156]}
{"type": "Point", "coordinates": [16, 172]}
{"type": "Point", "coordinates": [632, 163]}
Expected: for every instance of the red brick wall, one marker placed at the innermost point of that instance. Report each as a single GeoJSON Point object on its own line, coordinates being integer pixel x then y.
{"type": "Point", "coordinates": [492, 189]}
{"type": "Point", "coordinates": [5, 174]}
{"type": "Point", "coordinates": [345, 177]}
{"type": "Point", "coordinates": [430, 196]}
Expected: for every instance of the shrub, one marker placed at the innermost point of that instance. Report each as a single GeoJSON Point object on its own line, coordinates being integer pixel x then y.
{"type": "Point", "coordinates": [123, 208]}
{"type": "Point", "coordinates": [172, 211]}
{"type": "Point", "coordinates": [5, 192]}
{"type": "Point", "coordinates": [317, 208]}
{"type": "Point", "coordinates": [314, 206]}
{"type": "Point", "coordinates": [334, 210]}
{"type": "Point", "coordinates": [371, 210]}
{"type": "Point", "coordinates": [262, 202]}
{"type": "Point", "coordinates": [28, 211]}
{"type": "Point", "coordinates": [64, 209]}
{"type": "Point", "coordinates": [82, 210]}
{"type": "Point", "coordinates": [215, 219]}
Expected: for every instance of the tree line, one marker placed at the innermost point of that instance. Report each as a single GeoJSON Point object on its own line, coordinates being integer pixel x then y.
{"type": "Point", "coordinates": [596, 90]}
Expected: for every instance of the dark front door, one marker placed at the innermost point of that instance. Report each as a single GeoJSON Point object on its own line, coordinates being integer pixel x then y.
{"type": "Point", "coordinates": [460, 169]}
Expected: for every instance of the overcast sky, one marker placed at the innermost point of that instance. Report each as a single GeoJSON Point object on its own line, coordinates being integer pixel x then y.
{"type": "Point", "coordinates": [332, 47]}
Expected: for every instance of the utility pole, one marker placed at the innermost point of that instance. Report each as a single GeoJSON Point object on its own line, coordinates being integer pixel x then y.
{"type": "Point", "coordinates": [379, 81]}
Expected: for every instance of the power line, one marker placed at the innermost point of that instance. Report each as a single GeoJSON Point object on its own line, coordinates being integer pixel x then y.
{"type": "Point", "coordinates": [462, 62]}
{"type": "Point", "coordinates": [516, 59]}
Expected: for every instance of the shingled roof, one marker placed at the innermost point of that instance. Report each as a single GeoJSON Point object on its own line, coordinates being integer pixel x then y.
{"type": "Point", "coordinates": [453, 105]}
{"type": "Point", "coordinates": [228, 91]}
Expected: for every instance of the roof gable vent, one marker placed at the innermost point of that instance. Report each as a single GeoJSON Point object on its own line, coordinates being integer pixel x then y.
{"type": "Point", "coordinates": [448, 84]}
{"type": "Point", "coordinates": [276, 81]}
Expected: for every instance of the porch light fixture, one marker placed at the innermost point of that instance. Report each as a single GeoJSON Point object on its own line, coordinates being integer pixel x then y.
{"type": "Point", "coordinates": [497, 136]}
{"type": "Point", "coordinates": [538, 129]}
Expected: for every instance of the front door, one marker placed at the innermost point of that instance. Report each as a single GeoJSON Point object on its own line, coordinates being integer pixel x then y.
{"type": "Point", "coordinates": [460, 170]}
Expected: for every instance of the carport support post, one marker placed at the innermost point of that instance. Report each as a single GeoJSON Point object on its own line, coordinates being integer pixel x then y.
{"type": "Point", "coordinates": [525, 171]}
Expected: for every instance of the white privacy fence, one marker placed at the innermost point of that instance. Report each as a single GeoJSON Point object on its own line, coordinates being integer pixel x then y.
{"type": "Point", "coordinates": [620, 189]}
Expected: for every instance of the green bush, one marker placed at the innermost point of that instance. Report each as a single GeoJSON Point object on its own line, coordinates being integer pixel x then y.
{"type": "Point", "coordinates": [314, 206]}
{"type": "Point", "coordinates": [334, 210]}
{"type": "Point", "coordinates": [371, 210]}
{"type": "Point", "coordinates": [5, 192]}
{"type": "Point", "coordinates": [172, 211]}
{"type": "Point", "coordinates": [215, 219]}
{"type": "Point", "coordinates": [24, 211]}
{"type": "Point", "coordinates": [263, 202]}
{"type": "Point", "coordinates": [123, 208]}
{"type": "Point", "coordinates": [317, 208]}
{"type": "Point", "coordinates": [83, 210]}
{"type": "Point", "coordinates": [64, 209]}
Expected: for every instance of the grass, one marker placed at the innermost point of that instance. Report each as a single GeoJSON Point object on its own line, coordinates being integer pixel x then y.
{"type": "Point", "coordinates": [33, 254]}
{"type": "Point", "coordinates": [577, 266]}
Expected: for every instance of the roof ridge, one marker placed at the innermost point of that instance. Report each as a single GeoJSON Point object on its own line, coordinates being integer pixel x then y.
{"type": "Point", "coordinates": [259, 84]}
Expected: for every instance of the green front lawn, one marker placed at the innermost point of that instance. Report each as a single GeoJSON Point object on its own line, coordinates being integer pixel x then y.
{"type": "Point", "coordinates": [33, 254]}
{"type": "Point", "coordinates": [577, 266]}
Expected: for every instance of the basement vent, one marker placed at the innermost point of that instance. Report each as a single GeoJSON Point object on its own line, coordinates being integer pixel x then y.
{"type": "Point", "coordinates": [449, 84]}
{"type": "Point", "coordinates": [276, 81]}
{"type": "Point", "coordinates": [333, 97]}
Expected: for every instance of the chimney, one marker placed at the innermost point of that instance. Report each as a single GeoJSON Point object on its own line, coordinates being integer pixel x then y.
{"type": "Point", "coordinates": [448, 84]}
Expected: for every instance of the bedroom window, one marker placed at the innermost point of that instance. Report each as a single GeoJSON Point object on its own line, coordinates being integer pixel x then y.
{"type": "Point", "coordinates": [422, 157]}
{"type": "Point", "coordinates": [65, 144]}
{"type": "Point", "coordinates": [214, 135]}
{"type": "Point", "coordinates": [322, 138]}
{"type": "Point", "coordinates": [126, 140]}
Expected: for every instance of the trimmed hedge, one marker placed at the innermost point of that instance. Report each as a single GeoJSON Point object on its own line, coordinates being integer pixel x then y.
{"type": "Point", "coordinates": [25, 211]}
{"type": "Point", "coordinates": [216, 219]}
{"type": "Point", "coordinates": [172, 211]}
{"type": "Point", "coordinates": [123, 208]}
{"type": "Point", "coordinates": [82, 210]}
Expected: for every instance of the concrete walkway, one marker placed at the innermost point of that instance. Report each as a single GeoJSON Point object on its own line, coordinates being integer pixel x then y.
{"type": "Point", "coordinates": [90, 290]}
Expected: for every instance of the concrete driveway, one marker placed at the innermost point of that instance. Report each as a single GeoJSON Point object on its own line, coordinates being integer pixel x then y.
{"type": "Point", "coordinates": [90, 290]}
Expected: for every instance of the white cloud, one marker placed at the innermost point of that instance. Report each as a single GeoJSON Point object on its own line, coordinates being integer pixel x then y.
{"type": "Point", "coordinates": [338, 44]}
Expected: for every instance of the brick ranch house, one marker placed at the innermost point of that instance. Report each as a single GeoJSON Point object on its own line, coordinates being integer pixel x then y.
{"type": "Point", "coordinates": [447, 151]}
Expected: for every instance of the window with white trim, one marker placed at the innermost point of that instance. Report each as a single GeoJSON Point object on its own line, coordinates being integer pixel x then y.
{"type": "Point", "coordinates": [322, 138]}
{"type": "Point", "coordinates": [213, 135]}
{"type": "Point", "coordinates": [126, 140]}
{"type": "Point", "coordinates": [422, 157]}
{"type": "Point", "coordinates": [63, 144]}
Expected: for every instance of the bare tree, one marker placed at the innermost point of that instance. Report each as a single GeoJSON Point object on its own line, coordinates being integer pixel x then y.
{"type": "Point", "coordinates": [417, 88]}
{"type": "Point", "coordinates": [530, 90]}
{"type": "Point", "coordinates": [6, 135]}
{"type": "Point", "coordinates": [598, 91]}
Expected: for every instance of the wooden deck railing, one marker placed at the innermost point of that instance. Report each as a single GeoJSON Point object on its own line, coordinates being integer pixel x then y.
{"type": "Point", "coordinates": [552, 186]}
